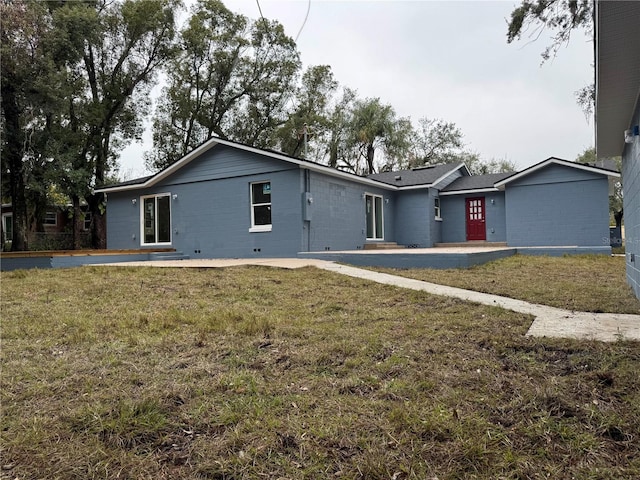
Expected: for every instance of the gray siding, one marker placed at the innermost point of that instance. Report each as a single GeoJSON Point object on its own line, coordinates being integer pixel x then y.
{"type": "Point", "coordinates": [336, 218]}
{"type": "Point", "coordinates": [454, 226]}
{"type": "Point", "coordinates": [631, 187]}
{"type": "Point", "coordinates": [558, 206]}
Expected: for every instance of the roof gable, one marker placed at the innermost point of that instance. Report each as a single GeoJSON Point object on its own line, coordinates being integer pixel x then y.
{"type": "Point", "coordinates": [158, 178]}
{"type": "Point", "coordinates": [554, 161]}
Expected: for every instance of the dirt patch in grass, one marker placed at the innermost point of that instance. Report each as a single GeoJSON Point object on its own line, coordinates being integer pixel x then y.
{"type": "Point", "coordinates": [264, 373]}
{"type": "Point", "coordinates": [588, 283]}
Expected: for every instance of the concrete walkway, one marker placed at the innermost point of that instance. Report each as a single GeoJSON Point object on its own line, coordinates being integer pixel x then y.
{"type": "Point", "coordinates": [549, 321]}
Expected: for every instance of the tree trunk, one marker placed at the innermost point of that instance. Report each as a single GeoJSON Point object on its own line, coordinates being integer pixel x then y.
{"type": "Point", "coordinates": [370, 154]}
{"type": "Point", "coordinates": [13, 156]}
{"type": "Point", "coordinates": [617, 216]}
{"type": "Point", "coordinates": [77, 222]}
{"type": "Point", "coordinates": [98, 221]}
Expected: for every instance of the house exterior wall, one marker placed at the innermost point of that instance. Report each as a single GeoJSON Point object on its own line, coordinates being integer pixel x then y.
{"type": "Point", "coordinates": [558, 206]}
{"type": "Point", "coordinates": [335, 220]}
{"type": "Point", "coordinates": [413, 210]}
{"type": "Point", "coordinates": [631, 188]}
{"type": "Point", "coordinates": [211, 215]}
{"type": "Point", "coordinates": [211, 219]}
{"type": "Point", "coordinates": [454, 223]}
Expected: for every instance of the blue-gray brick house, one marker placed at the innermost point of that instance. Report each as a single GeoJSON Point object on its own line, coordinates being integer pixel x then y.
{"type": "Point", "coordinates": [225, 200]}
{"type": "Point", "coordinates": [618, 111]}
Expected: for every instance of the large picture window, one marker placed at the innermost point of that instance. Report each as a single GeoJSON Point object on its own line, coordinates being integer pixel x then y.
{"type": "Point", "coordinates": [156, 219]}
{"type": "Point", "coordinates": [260, 207]}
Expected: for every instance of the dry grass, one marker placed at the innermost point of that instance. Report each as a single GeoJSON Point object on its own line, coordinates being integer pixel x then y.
{"type": "Point", "coordinates": [589, 283]}
{"type": "Point", "coordinates": [264, 373]}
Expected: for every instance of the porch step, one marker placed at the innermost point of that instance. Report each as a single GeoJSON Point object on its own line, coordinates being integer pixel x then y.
{"type": "Point", "coordinates": [473, 243]}
{"type": "Point", "coordinates": [168, 256]}
{"type": "Point", "coordinates": [382, 246]}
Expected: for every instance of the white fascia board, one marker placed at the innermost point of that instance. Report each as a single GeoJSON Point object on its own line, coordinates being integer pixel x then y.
{"type": "Point", "coordinates": [415, 187]}
{"type": "Point", "coordinates": [435, 183]}
{"type": "Point", "coordinates": [347, 176]}
{"type": "Point", "coordinates": [501, 184]}
{"type": "Point", "coordinates": [470, 191]}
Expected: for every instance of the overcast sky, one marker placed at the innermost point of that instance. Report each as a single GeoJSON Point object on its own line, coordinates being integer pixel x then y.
{"type": "Point", "coordinates": [441, 59]}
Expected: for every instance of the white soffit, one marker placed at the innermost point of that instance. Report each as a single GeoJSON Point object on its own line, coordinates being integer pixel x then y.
{"type": "Point", "coordinates": [617, 72]}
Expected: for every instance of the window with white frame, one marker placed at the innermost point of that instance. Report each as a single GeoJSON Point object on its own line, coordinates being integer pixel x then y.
{"type": "Point", "coordinates": [156, 219]}
{"type": "Point", "coordinates": [7, 226]}
{"type": "Point", "coordinates": [436, 203]}
{"type": "Point", "coordinates": [260, 207]}
{"type": "Point", "coordinates": [51, 218]}
{"type": "Point", "coordinates": [87, 221]}
{"type": "Point", "coordinates": [375, 222]}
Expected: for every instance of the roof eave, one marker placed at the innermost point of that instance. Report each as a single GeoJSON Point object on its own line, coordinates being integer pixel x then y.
{"type": "Point", "coordinates": [470, 191]}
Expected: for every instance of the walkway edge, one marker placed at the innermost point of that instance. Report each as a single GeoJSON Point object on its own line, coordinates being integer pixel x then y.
{"type": "Point", "coordinates": [548, 322]}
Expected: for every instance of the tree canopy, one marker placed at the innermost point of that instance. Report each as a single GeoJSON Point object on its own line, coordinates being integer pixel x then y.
{"type": "Point", "coordinates": [76, 79]}
{"type": "Point", "coordinates": [561, 18]}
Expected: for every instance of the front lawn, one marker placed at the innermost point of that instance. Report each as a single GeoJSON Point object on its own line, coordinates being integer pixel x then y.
{"type": "Point", "coordinates": [589, 283]}
{"type": "Point", "coordinates": [252, 372]}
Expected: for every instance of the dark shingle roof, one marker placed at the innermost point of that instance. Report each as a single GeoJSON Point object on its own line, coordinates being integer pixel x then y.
{"type": "Point", "coordinates": [418, 176]}
{"type": "Point", "coordinates": [475, 182]}
{"type": "Point", "coordinates": [135, 181]}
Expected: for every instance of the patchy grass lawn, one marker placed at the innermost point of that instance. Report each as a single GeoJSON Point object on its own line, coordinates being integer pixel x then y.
{"type": "Point", "coordinates": [589, 283]}
{"type": "Point", "coordinates": [265, 373]}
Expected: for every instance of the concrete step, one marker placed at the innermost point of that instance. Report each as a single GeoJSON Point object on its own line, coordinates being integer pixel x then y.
{"type": "Point", "coordinates": [168, 256]}
{"type": "Point", "coordinates": [474, 243]}
{"type": "Point", "coordinates": [382, 246]}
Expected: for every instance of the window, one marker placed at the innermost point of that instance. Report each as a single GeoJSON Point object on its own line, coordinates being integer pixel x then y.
{"type": "Point", "coordinates": [51, 218]}
{"type": "Point", "coordinates": [7, 226]}
{"type": "Point", "coordinates": [436, 203]}
{"type": "Point", "coordinates": [87, 221]}
{"type": "Point", "coordinates": [156, 219]}
{"type": "Point", "coordinates": [260, 207]}
{"type": "Point", "coordinates": [375, 229]}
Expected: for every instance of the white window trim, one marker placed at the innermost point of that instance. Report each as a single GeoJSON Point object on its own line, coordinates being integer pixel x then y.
{"type": "Point", "coordinates": [4, 226]}
{"type": "Point", "coordinates": [259, 228]}
{"type": "Point", "coordinates": [438, 209]}
{"type": "Point", "coordinates": [84, 221]}
{"type": "Point", "coordinates": [55, 219]}
{"type": "Point", "coordinates": [156, 196]}
{"type": "Point", "coordinates": [373, 195]}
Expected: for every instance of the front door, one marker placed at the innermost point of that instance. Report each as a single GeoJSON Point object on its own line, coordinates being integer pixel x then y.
{"type": "Point", "coordinates": [475, 219]}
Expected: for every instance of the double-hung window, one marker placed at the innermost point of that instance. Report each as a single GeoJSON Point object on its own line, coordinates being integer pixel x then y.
{"type": "Point", "coordinates": [156, 219]}
{"type": "Point", "coordinates": [260, 207]}
{"type": "Point", "coordinates": [51, 219]}
{"type": "Point", "coordinates": [436, 203]}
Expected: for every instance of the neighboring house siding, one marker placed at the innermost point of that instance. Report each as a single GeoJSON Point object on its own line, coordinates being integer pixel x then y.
{"type": "Point", "coordinates": [631, 188]}
{"type": "Point", "coordinates": [211, 218]}
{"type": "Point", "coordinates": [454, 223]}
{"type": "Point", "coordinates": [412, 212]}
{"type": "Point", "coordinates": [558, 206]}
{"type": "Point", "coordinates": [336, 218]}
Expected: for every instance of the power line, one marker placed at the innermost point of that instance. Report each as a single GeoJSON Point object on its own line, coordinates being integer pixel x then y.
{"type": "Point", "coordinates": [304, 22]}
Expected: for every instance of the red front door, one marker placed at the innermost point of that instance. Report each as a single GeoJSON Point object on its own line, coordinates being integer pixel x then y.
{"type": "Point", "coordinates": [475, 219]}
